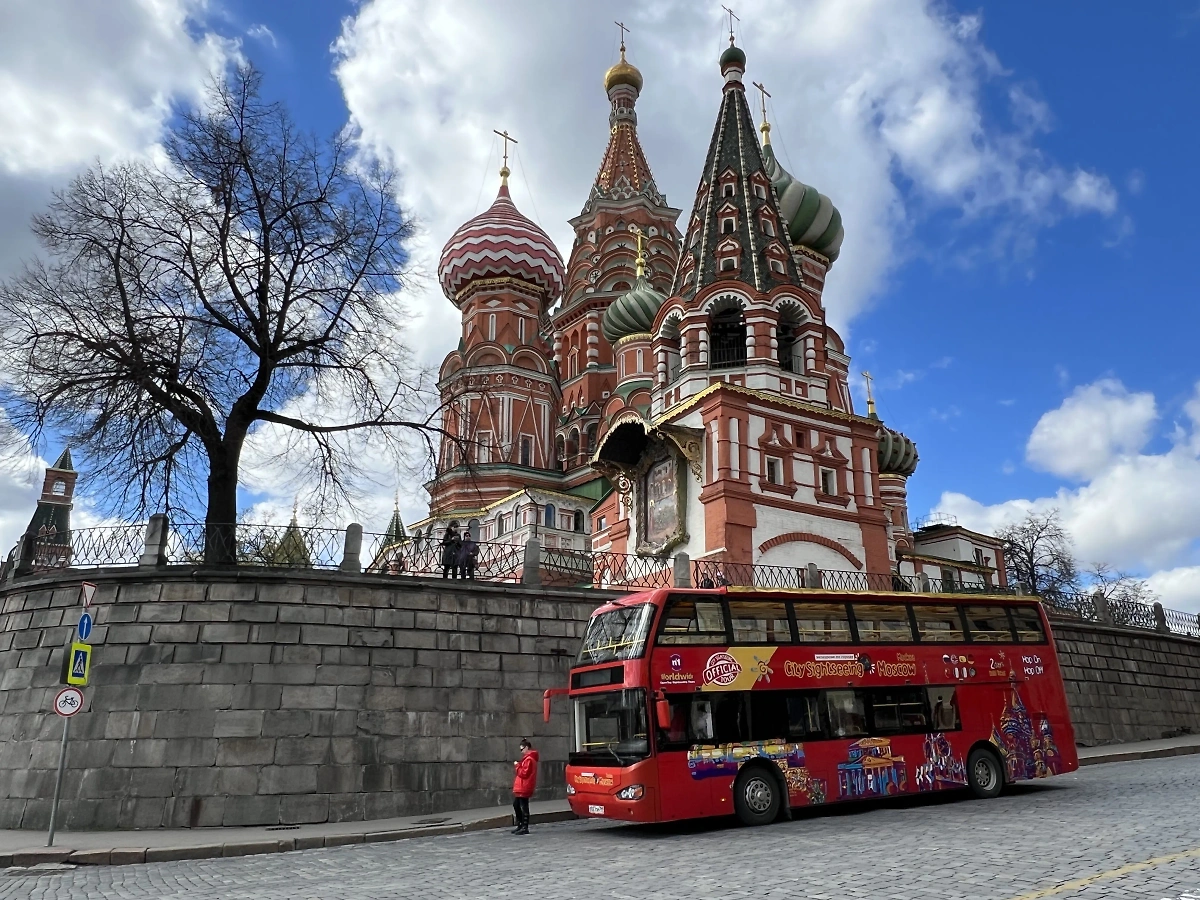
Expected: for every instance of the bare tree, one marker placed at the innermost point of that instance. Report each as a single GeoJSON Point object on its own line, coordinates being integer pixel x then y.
{"type": "Point", "coordinates": [1039, 556]}
{"type": "Point", "coordinates": [1116, 585]}
{"type": "Point", "coordinates": [248, 281]}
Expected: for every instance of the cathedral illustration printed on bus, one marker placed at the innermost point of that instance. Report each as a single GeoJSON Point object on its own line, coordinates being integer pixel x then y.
{"type": "Point", "coordinates": [674, 385]}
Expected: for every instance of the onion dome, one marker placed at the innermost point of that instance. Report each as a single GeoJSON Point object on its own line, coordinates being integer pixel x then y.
{"type": "Point", "coordinates": [812, 219]}
{"type": "Point", "coordinates": [897, 453]}
{"type": "Point", "coordinates": [633, 312]}
{"type": "Point", "coordinates": [623, 72]}
{"type": "Point", "coordinates": [733, 56]}
{"type": "Point", "coordinates": [499, 243]}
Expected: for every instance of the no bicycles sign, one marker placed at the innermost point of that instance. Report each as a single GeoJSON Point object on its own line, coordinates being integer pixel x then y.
{"type": "Point", "coordinates": [68, 701]}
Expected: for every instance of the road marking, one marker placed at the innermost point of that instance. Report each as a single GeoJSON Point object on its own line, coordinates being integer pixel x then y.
{"type": "Point", "coordinates": [1107, 876]}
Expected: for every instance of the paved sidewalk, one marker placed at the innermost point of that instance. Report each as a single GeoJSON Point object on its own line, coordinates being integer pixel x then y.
{"type": "Point", "coordinates": [1107, 753]}
{"type": "Point", "coordinates": [27, 848]}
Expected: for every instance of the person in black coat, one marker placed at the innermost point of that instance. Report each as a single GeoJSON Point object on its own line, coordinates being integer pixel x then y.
{"type": "Point", "coordinates": [451, 546]}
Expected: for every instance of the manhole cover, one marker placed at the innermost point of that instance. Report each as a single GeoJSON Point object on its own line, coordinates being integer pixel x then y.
{"type": "Point", "coordinates": [432, 821]}
{"type": "Point", "coordinates": [283, 827]}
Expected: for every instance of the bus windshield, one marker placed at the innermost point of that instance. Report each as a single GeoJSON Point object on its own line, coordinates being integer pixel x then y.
{"type": "Point", "coordinates": [619, 634]}
{"type": "Point", "coordinates": [610, 728]}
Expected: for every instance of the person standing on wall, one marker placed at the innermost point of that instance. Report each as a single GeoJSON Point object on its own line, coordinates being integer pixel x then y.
{"type": "Point", "coordinates": [467, 556]}
{"type": "Point", "coordinates": [524, 784]}
{"type": "Point", "coordinates": [451, 545]}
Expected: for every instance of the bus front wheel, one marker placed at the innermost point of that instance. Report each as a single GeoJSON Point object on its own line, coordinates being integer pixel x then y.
{"type": "Point", "coordinates": [756, 796]}
{"type": "Point", "coordinates": [984, 774]}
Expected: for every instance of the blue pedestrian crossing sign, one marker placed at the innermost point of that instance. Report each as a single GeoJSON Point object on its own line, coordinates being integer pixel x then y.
{"type": "Point", "coordinates": [80, 664]}
{"type": "Point", "coordinates": [85, 627]}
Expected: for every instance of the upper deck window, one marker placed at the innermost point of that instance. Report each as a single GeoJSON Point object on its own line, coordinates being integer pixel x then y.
{"type": "Point", "coordinates": [823, 623]}
{"type": "Point", "coordinates": [1028, 625]}
{"type": "Point", "coordinates": [693, 621]}
{"type": "Point", "coordinates": [760, 622]}
{"type": "Point", "coordinates": [617, 634]}
{"type": "Point", "coordinates": [939, 624]}
{"type": "Point", "coordinates": [882, 623]}
{"type": "Point", "coordinates": [989, 624]}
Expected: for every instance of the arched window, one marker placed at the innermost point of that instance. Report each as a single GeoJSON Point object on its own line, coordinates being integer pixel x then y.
{"type": "Point", "coordinates": [791, 350]}
{"type": "Point", "coordinates": [499, 524]}
{"type": "Point", "coordinates": [59, 488]}
{"type": "Point", "coordinates": [728, 224]}
{"type": "Point", "coordinates": [551, 513]}
{"type": "Point", "coordinates": [491, 326]}
{"type": "Point", "coordinates": [727, 346]}
{"type": "Point", "coordinates": [671, 340]}
{"type": "Point", "coordinates": [579, 520]}
{"type": "Point", "coordinates": [590, 440]}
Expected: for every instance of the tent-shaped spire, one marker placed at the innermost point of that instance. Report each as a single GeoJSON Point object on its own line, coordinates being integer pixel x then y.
{"type": "Point", "coordinates": [395, 530]}
{"type": "Point", "coordinates": [735, 231]}
{"type": "Point", "coordinates": [63, 464]}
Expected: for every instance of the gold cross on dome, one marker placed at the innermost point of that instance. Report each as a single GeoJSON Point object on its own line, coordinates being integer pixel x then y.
{"type": "Point", "coordinates": [640, 262]}
{"type": "Point", "coordinates": [507, 137]}
{"type": "Point", "coordinates": [868, 378]}
{"type": "Point", "coordinates": [732, 16]}
{"type": "Point", "coordinates": [621, 25]}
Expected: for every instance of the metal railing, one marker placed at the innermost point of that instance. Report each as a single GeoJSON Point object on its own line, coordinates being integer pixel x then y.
{"type": "Point", "coordinates": [727, 356]}
{"type": "Point", "coordinates": [307, 547]}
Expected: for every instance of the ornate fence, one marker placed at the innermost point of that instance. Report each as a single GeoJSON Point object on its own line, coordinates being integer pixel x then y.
{"type": "Point", "coordinates": [298, 548]}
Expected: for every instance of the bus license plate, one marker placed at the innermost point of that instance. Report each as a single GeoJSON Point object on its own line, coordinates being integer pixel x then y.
{"type": "Point", "coordinates": [596, 810]}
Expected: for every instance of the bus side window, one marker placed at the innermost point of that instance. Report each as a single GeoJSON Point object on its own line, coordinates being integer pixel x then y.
{"type": "Point", "coordinates": [944, 709]}
{"type": "Point", "coordinates": [847, 714]}
{"type": "Point", "coordinates": [939, 624]}
{"type": "Point", "coordinates": [989, 624]}
{"type": "Point", "coordinates": [823, 623]}
{"type": "Point", "coordinates": [882, 623]}
{"type": "Point", "coordinates": [769, 720]}
{"type": "Point", "coordinates": [702, 721]}
{"type": "Point", "coordinates": [760, 622]}
{"type": "Point", "coordinates": [804, 716]}
{"type": "Point", "coordinates": [690, 621]}
{"type": "Point", "coordinates": [729, 725]}
{"type": "Point", "coordinates": [1028, 624]}
{"type": "Point", "coordinates": [898, 711]}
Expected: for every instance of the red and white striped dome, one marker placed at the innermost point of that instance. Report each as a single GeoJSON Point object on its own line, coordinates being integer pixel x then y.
{"type": "Point", "coordinates": [501, 242]}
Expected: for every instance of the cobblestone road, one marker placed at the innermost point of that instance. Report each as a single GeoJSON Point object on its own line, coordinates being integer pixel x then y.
{"type": "Point", "coordinates": [1127, 830]}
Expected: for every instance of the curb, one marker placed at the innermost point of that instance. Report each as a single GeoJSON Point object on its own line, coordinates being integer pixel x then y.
{"type": "Point", "coordinates": [123, 856]}
{"type": "Point", "coordinates": [1132, 755]}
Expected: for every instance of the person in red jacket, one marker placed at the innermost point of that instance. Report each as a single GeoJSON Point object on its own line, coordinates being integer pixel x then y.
{"type": "Point", "coordinates": [524, 784]}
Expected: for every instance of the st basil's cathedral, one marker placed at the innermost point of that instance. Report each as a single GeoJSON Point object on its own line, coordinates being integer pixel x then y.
{"type": "Point", "coordinates": [674, 387]}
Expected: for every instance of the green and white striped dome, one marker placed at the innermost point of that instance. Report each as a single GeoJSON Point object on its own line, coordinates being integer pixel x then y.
{"type": "Point", "coordinates": [633, 312]}
{"type": "Point", "coordinates": [897, 453]}
{"type": "Point", "coordinates": [812, 219]}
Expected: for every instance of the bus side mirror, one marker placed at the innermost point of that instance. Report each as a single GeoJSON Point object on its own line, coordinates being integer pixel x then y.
{"type": "Point", "coordinates": [663, 711]}
{"type": "Point", "coordinates": [546, 707]}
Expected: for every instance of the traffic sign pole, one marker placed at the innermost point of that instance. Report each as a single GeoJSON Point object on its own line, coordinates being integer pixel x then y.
{"type": "Point", "coordinates": [62, 764]}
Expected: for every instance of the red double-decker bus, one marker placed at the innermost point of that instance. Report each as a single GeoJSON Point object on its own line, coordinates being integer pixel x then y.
{"type": "Point", "coordinates": [690, 703]}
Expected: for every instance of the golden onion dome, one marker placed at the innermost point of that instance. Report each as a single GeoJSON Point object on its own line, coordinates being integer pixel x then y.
{"type": "Point", "coordinates": [623, 73]}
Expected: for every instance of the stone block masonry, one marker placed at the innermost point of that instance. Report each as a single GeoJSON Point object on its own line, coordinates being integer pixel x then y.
{"type": "Point", "coordinates": [263, 698]}
{"type": "Point", "coordinates": [1128, 684]}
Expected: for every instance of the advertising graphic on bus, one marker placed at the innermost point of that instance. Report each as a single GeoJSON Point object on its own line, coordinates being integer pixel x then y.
{"type": "Point", "coordinates": [717, 702]}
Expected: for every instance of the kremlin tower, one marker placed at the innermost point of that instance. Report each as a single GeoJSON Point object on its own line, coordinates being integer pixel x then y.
{"type": "Point", "coordinates": [668, 392]}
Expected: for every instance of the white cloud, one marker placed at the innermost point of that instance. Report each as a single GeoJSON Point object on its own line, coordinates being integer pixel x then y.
{"type": "Point", "coordinates": [1093, 426]}
{"type": "Point", "coordinates": [83, 81]}
{"type": "Point", "coordinates": [865, 95]}
{"type": "Point", "coordinates": [1178, 588]}
{"type": "Point", "coordinates": [1137, 511]}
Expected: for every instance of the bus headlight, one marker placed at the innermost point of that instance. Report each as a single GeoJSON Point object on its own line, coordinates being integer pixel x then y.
{"type": "Point", "coordinates": [633, 792]}
{"type": "Point", "coordinates": [570, 789]}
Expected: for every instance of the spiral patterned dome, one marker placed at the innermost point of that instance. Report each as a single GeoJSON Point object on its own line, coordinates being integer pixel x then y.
{"type": "Point", "coordinates": [501, 242]}
{"type": "Point", "coordinates": [633, 312]}
{"type": "Point", "coordinates": [897, 453]}
{"type": "Point", "coordinates": [812, 219]}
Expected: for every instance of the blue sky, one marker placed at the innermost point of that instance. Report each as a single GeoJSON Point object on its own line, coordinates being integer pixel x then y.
{"type": "Point", "coordinates": [1017, 181]}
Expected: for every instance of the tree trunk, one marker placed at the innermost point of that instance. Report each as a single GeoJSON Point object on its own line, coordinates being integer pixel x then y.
{"type": "Point", "coordinates": [220, 523]}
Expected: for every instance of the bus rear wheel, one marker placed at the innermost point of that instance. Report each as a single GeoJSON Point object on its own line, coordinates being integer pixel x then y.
{"type": "Point", "coordinates": [984, 774]}
{"type": "Point", "coordinates": [756, 796]}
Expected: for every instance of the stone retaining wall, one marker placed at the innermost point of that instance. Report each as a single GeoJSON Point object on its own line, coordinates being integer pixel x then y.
{"type": "Point", "coordinates": [267, 698]}
{"type": "Point", "coordinates": [281, 698]}
{"type": "Point", "coordinates": [1127, 684]}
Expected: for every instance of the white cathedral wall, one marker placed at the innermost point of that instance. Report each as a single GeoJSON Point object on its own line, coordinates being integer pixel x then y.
{"type": "Point", "coordinates": [774, 522]}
